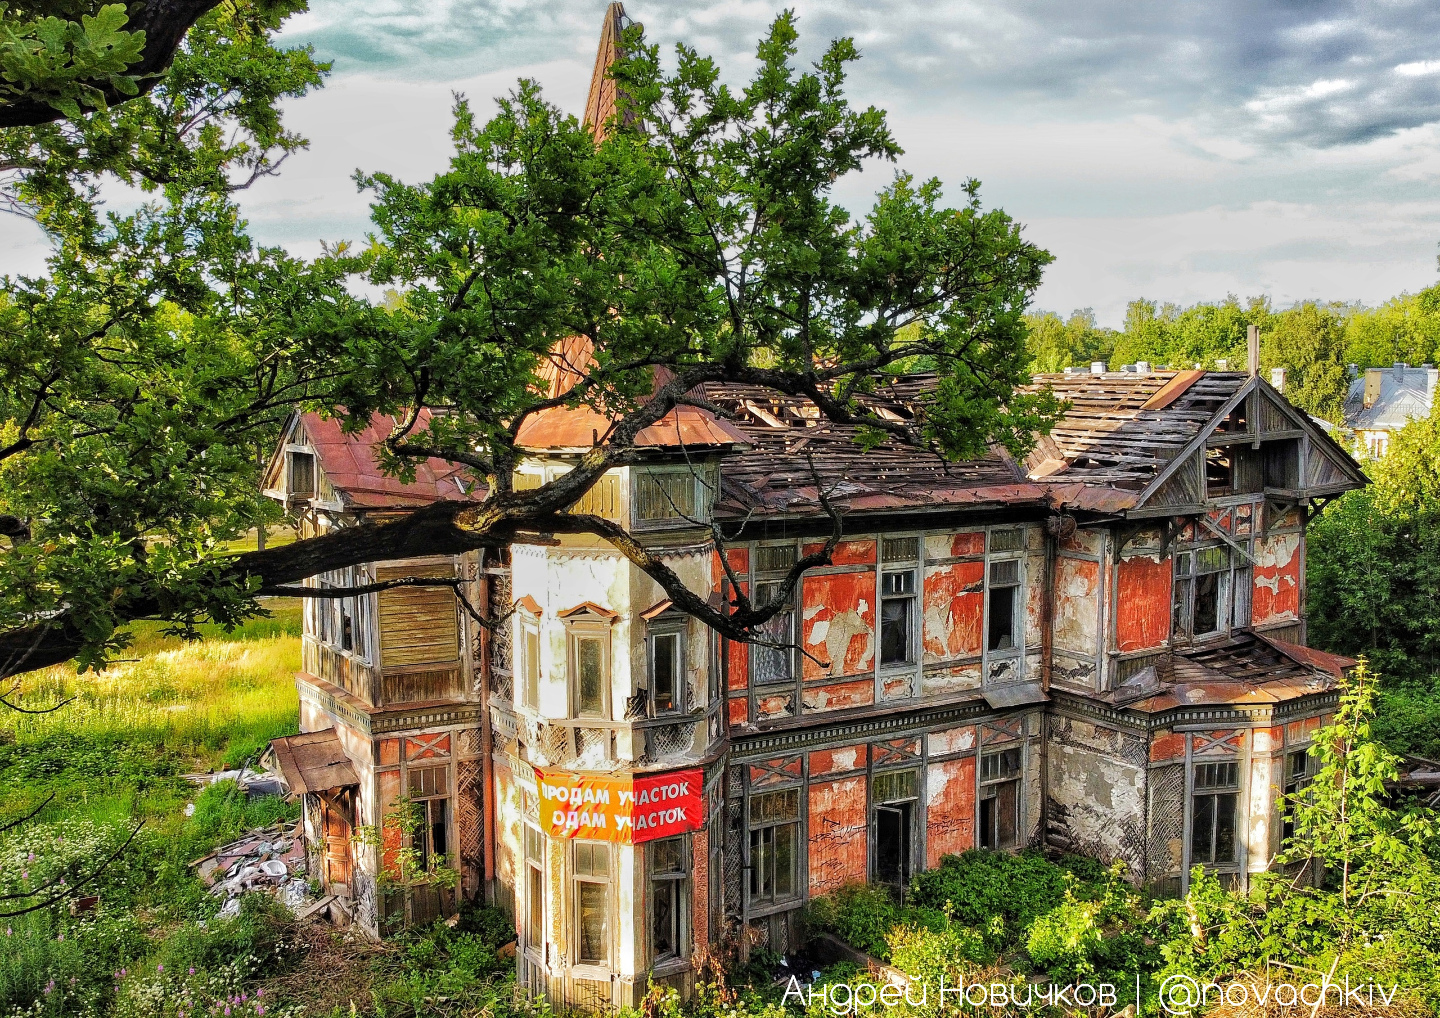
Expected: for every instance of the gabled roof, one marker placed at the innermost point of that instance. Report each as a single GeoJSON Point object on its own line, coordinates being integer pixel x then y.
{"type": "Point", "coordinates": [349, 464]}
{"type": "Point", "coordinates": [1405, 394]}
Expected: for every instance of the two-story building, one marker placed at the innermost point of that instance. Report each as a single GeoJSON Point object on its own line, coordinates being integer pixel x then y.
{"type": "Point", "coordinates": [1100, 649]}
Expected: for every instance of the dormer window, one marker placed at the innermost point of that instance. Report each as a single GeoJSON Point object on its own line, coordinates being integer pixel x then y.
{"type": "Point", "coordinates": [301, 468]}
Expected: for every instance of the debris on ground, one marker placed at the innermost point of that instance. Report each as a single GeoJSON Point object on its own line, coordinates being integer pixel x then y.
{"type": "Point", "coordinates": [270, 859]}
{"type": "Point", "coordinates": [253, 783]}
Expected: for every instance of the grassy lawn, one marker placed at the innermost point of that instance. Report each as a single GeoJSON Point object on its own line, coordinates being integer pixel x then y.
{"type": "Point", "coordinates": [118, 748]}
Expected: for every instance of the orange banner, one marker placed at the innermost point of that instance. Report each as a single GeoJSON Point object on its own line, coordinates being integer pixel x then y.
{"type": "Point", "coordinates": [629, 810]}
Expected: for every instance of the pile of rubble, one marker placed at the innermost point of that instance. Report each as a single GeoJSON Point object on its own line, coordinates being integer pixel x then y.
{"type": "Point", "coordinates": [270, 859]}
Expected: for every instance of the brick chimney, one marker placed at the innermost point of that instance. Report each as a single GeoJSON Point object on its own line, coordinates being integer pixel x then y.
{"type": "Point", "coordinates": [1372, 386]}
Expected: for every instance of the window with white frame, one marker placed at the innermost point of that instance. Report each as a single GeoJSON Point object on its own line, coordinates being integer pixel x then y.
{"type": "Point", "coordinates": [300, 482]}
{"type": "Point", "coordinates": [534, 888]}
{"type": "Point", "coordinates": [590, 669]}
{"type": "Point", "coordinates": [592, 902]}
{"type": "Point", "coordinates": [529, 661]}
{"type": "Point", "coordinates": [1214, 816]}
{"type": "Point", "coordinates": [669, 892]}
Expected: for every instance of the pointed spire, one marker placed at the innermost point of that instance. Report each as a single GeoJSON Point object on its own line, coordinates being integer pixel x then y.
{"type": "Point", "coordinates": [600, 106]}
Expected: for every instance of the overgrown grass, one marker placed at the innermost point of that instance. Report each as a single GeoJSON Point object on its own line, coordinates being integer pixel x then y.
{"type": "Point", "coordinates": [119, 747]}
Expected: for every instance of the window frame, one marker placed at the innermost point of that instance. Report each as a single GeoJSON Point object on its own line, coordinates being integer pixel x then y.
{"type": "Point", "coordinates": [701, 500]}
{"type": "Point", "coordinates": [670, 625]}
{"type": "Point", "coordinates": [1234, 589]}
{"type": "Point", "coordinates": [677, 884]}
{"type": "Point", "coordinates": [988, 786]}
{"type": "Point", "coordinates": [1292, 785]}
{"type": "Point", "coordinates": [528, 688]}
{"type": "Point", "coordinates": [605, 882]}
{"type": "Point", "coordinates": [900, 567]}
{"type": "Point", "coordinates": [1214, 792]}
{"type": "Point", "coordinates": [534, 864]}
{"type": "Point", "coordinates": [773, 898]}
{"type": "Point", "coordinates": [580, 629]}
{"type": "Point", "coordinates": [1015, 653]}
{"type": "Point", "coordinates": [292, 452]}
{"type": "Point", "coordinates": [430, 859]}
{"type": "Point", "coordinates": [761, 581]}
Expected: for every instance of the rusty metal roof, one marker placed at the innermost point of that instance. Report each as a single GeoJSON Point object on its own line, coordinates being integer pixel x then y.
{"type": "Point", "coordinates": [351, 467]}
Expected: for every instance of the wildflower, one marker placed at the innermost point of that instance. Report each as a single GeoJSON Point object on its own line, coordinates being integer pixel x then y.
{"type": "Point", "coordinates": [160, 968]}
{"type": "Point", "coordinates": [260, 992]}
{"type": "Point", "coordinates": [24, 874]}
{"type": "Point", "coordinates": [49, 987]}
{"type": "Point", "coordinates": [259, 1008]}
{"type": "Point", "coordinates": [192, 970]}
{"type": "Point", "coordinates": [227, 1009]}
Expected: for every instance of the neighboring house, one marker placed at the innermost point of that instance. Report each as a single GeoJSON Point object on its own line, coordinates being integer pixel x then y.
{"type": "Point", "coordinates": [1384, 400]}
{"type": "Point", "coordinates": [1099, 649]}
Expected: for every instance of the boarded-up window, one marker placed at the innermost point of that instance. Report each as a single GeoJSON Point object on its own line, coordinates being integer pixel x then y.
{"type": "Point", "coordinates": [418, 625]}
{"type": "Point", "coordinates": [302, 474]}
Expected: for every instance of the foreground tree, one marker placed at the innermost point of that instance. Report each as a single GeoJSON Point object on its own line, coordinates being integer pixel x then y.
{"type": "Point", "coordinates": [699, 239]}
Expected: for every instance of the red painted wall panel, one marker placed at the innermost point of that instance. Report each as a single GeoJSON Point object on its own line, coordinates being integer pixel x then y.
{"type": "Point", "coordinates": [837, 833]}
{"type": "Point", "coordinates": [1277, 579]}
{"type": "Point", "coordinates": [954, 609]}
{"type": "Point", "coordinates": [1142, 615]}
{"type": "Point", "coordinates": [846, 553]}
{"type": "Point", "coordinates": [949, 808]}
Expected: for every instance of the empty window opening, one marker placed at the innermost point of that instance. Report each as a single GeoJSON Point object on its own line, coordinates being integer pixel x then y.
{"type": "Point", "coordinates": [1004, 599]}
{"type": "Point", "coordinates": [1202, 580]}
{"type": "Point", "coordinates": [430, 789]}
{"type": "Point", "coordinates": [774, 659]}
{"type": "Point", "coordinates": [1219, 471]}
{"type": "Point", "coordinates": [1213, 819]}
{"type": "Point", "coordinates": [897, 617]}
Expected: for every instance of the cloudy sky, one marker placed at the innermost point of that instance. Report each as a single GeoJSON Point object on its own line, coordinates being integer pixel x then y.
{"type": "Point", "coordinates": [1173, 149]}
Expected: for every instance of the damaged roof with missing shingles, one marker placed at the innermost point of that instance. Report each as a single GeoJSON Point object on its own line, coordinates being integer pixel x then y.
{"type": "Point", "coordinates": [1123, 428]}
{"type": "Point", "coordinates": [1248, 669]}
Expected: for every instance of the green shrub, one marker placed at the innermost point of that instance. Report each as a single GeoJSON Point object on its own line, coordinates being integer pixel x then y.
{"type": "Point", "coordinates": [223, 813]}
{"type": "Point", "coordinates": [928, 954]}
{"type": "Point", "coordinates": [258, 937]}
{"type": "Point", "coordinates": [1002, 894]}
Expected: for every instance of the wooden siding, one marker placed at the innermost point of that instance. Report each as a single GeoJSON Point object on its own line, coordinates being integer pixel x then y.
{"type": "Point", "coordinates": [418, 625]}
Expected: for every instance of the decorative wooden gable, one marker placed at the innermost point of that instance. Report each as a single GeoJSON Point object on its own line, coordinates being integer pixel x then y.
{"type": "Point", "coordinates": [294, 474]}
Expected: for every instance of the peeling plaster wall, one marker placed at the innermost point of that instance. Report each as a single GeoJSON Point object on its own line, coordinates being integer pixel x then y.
{"type": "Point", "coordinates": [1096, 794]}
{"type": "Point", "coordinates": [949, 806]}
{"type": "Point", "coordinates": [509, 811]}
{"type": "Point", "coordinates": [837, 843]}
{"type": "Point", "coordinates": [1277, 579]}
{"type": "Point", "coordinates": [1076, 641]}
{"type": "Point", "coordinates": [838, 623]}
{"type": "Point", "coordinates": [954, 608]}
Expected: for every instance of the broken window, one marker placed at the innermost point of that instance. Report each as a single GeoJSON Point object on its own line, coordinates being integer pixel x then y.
{"type": "Point", "coordinates": [665, 671]}
{"type": "Point", "coordinates": [1202, 588]}
{"type": "Point", "coordinates": [668, 873]}
{"type": "Point", "coordinates": [430, 790]}
{"type": "Point", "coordinates": [897, 617]}
{"type": "Point", "coordinates": [1299, 772]}
{"type": "Point", "coordinates": [592, 902]}
{"type": "Point", "coordinates": [1213, 806]}
{"type": "Point", "coordinates": [774, 845]}
{"type": "Point", "coordinates": [1000, 798]}
{"type": "Point", "coordinates": [1219, 472]}
{"type": "Point", "coordinates": [894, 794]}
{"type": "Point", "coordinates": [534, 888]}
{"type": "Point", "coordinates": [774, 661]}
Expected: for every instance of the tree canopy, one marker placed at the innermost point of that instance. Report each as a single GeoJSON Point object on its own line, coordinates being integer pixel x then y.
{"type": "Point", "coordinates": [152, 363]}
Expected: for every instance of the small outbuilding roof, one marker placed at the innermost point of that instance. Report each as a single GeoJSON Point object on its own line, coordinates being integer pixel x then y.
{"type": "Point", "coordinates": [313, 761]}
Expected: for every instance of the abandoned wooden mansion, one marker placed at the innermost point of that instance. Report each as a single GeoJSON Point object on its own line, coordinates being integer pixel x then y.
{"type": "Point", "coordinates": [1100, 649]}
